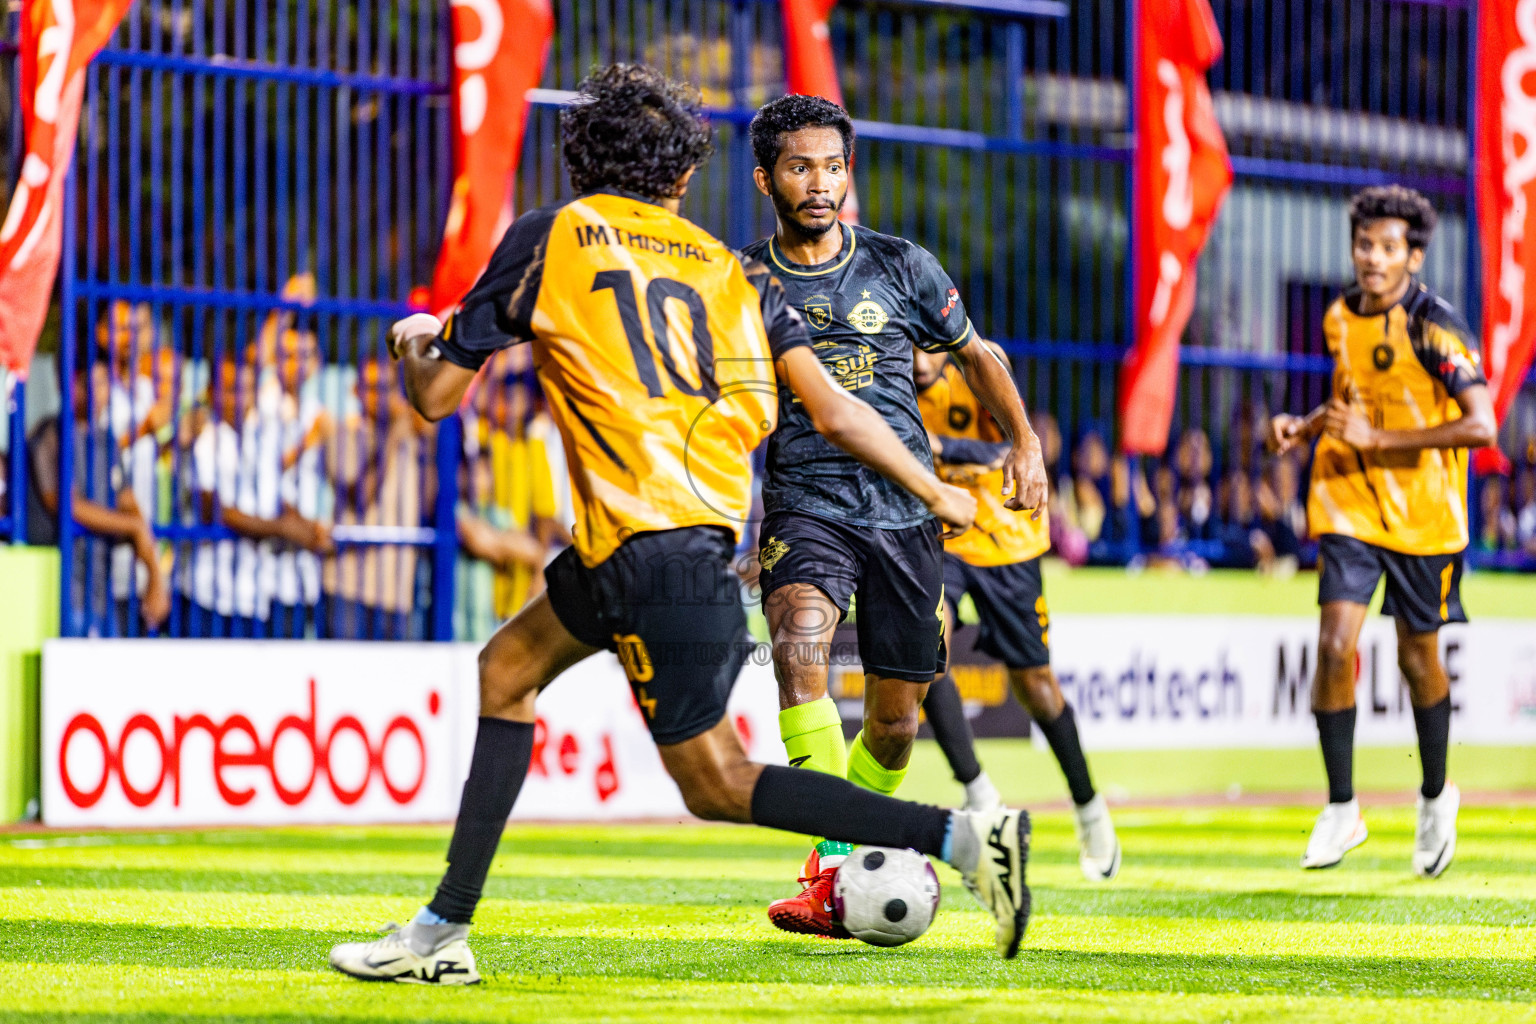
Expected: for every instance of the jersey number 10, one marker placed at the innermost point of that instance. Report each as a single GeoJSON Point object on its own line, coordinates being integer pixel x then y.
{"type": "Point", "coordinates": [657, 291]}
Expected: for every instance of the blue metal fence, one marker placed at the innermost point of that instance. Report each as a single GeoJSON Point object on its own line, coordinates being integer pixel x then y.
{"type": "Point", "coordinates": [227, 150]}
{"type": "Point", "coordinates": [257, 189]}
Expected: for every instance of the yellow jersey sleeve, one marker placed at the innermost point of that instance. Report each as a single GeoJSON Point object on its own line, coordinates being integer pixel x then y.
{"type": "Point", "coordinates": [1001, 536]}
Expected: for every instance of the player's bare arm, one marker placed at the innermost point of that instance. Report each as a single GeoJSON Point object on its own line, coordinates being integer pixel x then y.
{"type": "Point", "coordinates": [853, 426]}
{"type": "Point", "coordinates": [1475, 429]}
{"type": "Point", "coordinates": [1024, 477]}
{"type": "Point", "coordinates": [434, 385]}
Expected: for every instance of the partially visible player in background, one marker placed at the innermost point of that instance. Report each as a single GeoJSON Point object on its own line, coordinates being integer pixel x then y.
{"type": "Point", "coordinates": [1389, 497]}
{"type": "Point", "coordinates": [658, 349]}
{"type": "Point", "coordinates": [834, 531]}
{"type": "Point", "coordinates": [997, 562]}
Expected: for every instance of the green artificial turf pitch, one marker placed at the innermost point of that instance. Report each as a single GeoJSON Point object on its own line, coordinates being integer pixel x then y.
{"type": "Point", "coordinates": [1210, 920]}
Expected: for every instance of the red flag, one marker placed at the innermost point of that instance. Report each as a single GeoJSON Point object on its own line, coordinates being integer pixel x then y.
{"type": "Point", "coordinates": [499, 47]}
{"type": "Point", "coordinates": [1181, 176]}
{"type": "Point", "coordinates": [810, 67]}
{"type": "Point", "coordinates": [1505, 168]}
{"type": "Point", "coordinates": [58, 40]}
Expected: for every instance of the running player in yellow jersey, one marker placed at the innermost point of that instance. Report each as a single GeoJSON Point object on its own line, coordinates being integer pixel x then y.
{"type": "Point", "coordinates": [660, 352]}
{"type": "Point", "coordinates": [1389, 498]}
{"type": "Point", "coordinates": [997, 562]}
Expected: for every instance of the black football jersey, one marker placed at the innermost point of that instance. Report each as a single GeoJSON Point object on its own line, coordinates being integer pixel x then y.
{"type": "Point", "coordinates": [864, 309]}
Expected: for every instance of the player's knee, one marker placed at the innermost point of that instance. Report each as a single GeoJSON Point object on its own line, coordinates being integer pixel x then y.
{"type": "Point", "coordinates": [1416, 658]}
{"type": "Point", "coordinates": [504, 681]}
{"type": "Point", "coordinates": [717, 793]}
{"type": "Point", "coordinates": [1335, 651]}
{"type": "Point", "coordinates": [890, 730]}
{"type": "Point", "coordinates": [1038, 691]}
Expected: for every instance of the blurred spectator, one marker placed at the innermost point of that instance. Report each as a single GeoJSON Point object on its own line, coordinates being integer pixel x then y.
{"type": "Point", "coordinates": [1192, 464]}
{"type": "Point", "coordinates": [1245, 544]}
{"type": "Point", "coordinates": [1524, 505]}
{"type": "Point", "coordinates": [231, 479]}
{"type": "Point", "coordinates": [136, 419]}
{"type": "Point", "coordinates": [1090, 481]}
{"type": "Point", "coordinates": [1500, 528]}
{"type": "Point", "coordinates": [1245, 439]}
{"type": "Point", "coordinates": [306, 428]}
{"type": "Point", "coordinates": [1282, 515]}
{"type": "Point", "coordinates": [489, 544]}
{"type": "Point", "coordinates": [376, 466]}
{"type": "Point", "coordinates": [100, 503]}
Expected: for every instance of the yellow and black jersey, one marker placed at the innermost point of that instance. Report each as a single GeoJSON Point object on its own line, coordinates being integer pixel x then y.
{"type": "Point", "coordinates": [1402, 368]}
{"type": "Point", "coordinates": [654, 344]}
{"type": "Point", "coordinates": [970, 441]}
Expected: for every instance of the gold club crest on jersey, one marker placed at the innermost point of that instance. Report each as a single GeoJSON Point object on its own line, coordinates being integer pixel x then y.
{"type": "Point", "coordinates": [818, 312]}
{"type": "Point", "coordinates": [772, 551]}
{"type": "Point", "coordinates": [867, 317]}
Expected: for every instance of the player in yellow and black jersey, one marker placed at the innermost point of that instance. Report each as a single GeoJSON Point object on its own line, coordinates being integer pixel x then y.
{"type": "Point", "coordinates": [662, 354]}
{"type": "Point", "coordinates": [1388, 498]}
{"type": "Point", "coordinates": [997, 562]}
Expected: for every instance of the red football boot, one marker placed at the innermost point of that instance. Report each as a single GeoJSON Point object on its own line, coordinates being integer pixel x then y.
{"type": "Point", "coordinates": [810, 913]}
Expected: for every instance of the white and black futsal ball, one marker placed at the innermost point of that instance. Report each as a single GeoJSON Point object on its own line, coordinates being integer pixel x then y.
{"type": "Point", "coordinates": [886, 897]}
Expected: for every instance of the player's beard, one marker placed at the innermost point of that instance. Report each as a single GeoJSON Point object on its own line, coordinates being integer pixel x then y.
{"type": "Point", "coordinates": [787, 210]}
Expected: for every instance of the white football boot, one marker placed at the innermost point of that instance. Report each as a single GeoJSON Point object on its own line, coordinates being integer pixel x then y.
{"type": "Point", "coordinates": [1339, 829]}
{"type": "Point", "coordinates": [420, 954]}
{"type": "Point", "coordinates": [997, 882]}
{"type": "Point", "coordinates": [981, 795]}
{"type": "Point", "coordinates": [1098, 848]}
{"type": "Point", "coordinates": [1434, 841]}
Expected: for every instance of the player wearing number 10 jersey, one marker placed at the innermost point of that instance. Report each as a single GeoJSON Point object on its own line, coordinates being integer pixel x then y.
{"type": "Point", "coordinates": [660, 352]}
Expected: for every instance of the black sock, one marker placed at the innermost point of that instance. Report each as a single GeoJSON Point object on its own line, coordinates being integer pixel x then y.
{"type": "Point", "coordinates": [1061, 734]}
{"type": "Point", "coordinates": [1434, 726]}
{"type": "Point", "coordinates": [496, 773]}
{"type": "Point", "coordinates": [816, 804]}
{"type": "Point", "coordinates": [947, 716]}
{"type": "Point", "coordinates": [1336, 731]}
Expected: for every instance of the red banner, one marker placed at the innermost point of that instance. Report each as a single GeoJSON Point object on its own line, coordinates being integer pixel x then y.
{"type": "Point", "coordinates": [1505, 167]}
{"type": "Point", "coordinates": [1181, 176]}
{"type": "Point", "coordinates": [58, 40]}
{"type": "Point", "coordinates": [499, 47]}
{"type": "Point", "coordinates": [810, 69]}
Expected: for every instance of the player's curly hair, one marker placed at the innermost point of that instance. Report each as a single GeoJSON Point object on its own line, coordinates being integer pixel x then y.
{"type": "Point", "coordinates": [790, 114]}
{"type": "Point", "coordinates": [1380, 201]}
{"type": "Point", "coordinates": [632, 128]}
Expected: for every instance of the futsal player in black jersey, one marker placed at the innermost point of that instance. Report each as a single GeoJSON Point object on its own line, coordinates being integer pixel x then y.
{"type": "Point", "coordinates": [832, 530]}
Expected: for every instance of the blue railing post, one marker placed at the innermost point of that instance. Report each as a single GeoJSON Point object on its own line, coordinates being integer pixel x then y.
{"type": "Point", "coordinates": [18, 457]}
{"type": "Point", "coordinates": [71, 617]}
{"type": "Point", "coordinates": [1013, 67]}
{"type": "Point", "coordinates": [743, 201]}
{"type": "Point", "coordinates": [445, 545]}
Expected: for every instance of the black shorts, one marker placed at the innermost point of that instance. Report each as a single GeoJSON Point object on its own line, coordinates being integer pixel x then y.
{"type": "Point", "coordinates": [1423, 591]}
{"type": "Point", "coordinates": [897, 576]}
{"type": "Point", "coordinates": [669, 605]}
{"type": "Point", "coordinates": [1010, 601]}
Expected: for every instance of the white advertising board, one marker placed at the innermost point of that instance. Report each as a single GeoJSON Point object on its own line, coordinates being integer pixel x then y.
{"type": "Point", "coordinates": [165, 732]}
{"type": "Point", "coordinates": [1183, 682]}
{"type": "Point", "coordinates": [161, 732]}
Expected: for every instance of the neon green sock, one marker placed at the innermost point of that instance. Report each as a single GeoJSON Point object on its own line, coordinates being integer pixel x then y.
{"type": "Point", "coordinates": [813, 736]}
{"type": "Point", "coordinates": [865, 771]}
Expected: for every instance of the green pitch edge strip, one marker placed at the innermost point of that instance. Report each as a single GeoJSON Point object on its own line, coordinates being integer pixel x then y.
{"type": "Point", "coordinates": [1028, 775]}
